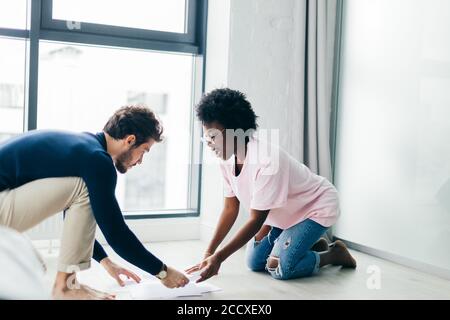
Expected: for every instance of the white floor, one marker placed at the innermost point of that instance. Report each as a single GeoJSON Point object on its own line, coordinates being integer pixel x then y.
{"type": "Point", "coordinates": [237, 282]}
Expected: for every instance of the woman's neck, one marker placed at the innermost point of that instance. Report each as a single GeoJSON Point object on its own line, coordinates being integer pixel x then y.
{"type": "Point", "coordinates": [239, 158]}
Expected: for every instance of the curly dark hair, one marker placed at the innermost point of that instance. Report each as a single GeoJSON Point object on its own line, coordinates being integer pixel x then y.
{"type": "Point", "coordinates": [228, 107]}
{"type": "Point", "coordinates": [139, 121]}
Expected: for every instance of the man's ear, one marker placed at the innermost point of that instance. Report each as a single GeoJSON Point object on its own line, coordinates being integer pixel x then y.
{"type": "Point", "coordinates": [130, 140]}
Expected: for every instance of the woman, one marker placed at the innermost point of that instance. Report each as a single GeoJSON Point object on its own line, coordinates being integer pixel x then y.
{"type": "Point", "coordinates": [290, 207]}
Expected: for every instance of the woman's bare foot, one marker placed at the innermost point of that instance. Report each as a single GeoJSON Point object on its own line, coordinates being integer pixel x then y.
{"type": "Point", "coordinates": [320, 245]}
{"type": "Point", "coordinates": [341, 256]}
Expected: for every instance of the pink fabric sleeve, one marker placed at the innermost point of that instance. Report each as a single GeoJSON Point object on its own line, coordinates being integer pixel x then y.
{"type": "Point", "coordinates": [227, 189]}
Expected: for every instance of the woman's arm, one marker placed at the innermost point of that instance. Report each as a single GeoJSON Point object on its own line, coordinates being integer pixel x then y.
{"type": "Point", "coordinates": [248, 230]}
{"type": "Point", "coordinates": [226, 221]}
{"type": "Point", "coordinates": [211, 265]}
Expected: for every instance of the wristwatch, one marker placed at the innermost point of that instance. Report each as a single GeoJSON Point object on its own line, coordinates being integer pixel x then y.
{"type": "Point", "coordinates": [163, 273]}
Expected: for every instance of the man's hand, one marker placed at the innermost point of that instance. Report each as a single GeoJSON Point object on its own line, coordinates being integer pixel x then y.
{"type": "Point", "coordinates": [209, 267]}
{"type": "Point", "coordinates": [174, 279]}
{"type": "Point", "coordinates": [116, 271]}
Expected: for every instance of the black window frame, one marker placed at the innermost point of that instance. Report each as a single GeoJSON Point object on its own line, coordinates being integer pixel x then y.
{"type": "Point", "coordinates": [41, 26]}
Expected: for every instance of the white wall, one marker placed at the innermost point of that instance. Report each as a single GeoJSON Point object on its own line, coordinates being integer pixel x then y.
{"type": "Point", "coordinates": [216, 76]}
{"type": "Point", "coordinates": [253, 46]}
{"type": "Point", "coordinates": [266, 61]}
{"type": "Point", "coordinates": [393, 152]}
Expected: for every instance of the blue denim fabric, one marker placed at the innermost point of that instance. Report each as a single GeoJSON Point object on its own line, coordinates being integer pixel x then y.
{"type": "Point", "coordinates": [292, 248]}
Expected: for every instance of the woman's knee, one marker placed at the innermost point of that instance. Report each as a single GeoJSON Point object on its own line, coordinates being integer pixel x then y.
{"type": "Point", "coordinates": [288, 267]}
{"type": "Point", "coordinates": [255, 266]}
{"type": "Point", "coordinates": [255, 261]}
{"type": "Point", "coordinates": [275, 267]}
{"type": "Point", "coordinates": [281, 268]}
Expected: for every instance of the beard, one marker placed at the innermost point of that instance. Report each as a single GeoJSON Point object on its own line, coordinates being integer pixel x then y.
{"type": "Point", "coordinates": [123, 161]}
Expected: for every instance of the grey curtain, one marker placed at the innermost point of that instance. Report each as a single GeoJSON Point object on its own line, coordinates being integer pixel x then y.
{"type": "Point", "coordinates": [314, 115]}
{"type": "Point", "coordinates": [319, 74]}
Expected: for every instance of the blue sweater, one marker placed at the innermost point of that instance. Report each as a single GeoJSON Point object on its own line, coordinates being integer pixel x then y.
{"type": "Point", "coordinates": [43, 154]}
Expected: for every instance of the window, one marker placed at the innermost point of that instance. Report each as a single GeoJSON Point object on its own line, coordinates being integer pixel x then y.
{"type": "Point", "coordinates": [13, 14]}
{"type": "Point", "coordinates": [56, 75]}
{"type": "Point", "coordinates": [176, 24]}
{"type": "Point", "coordinates": [159, 15]}
{"type": "Point", "coordinates": [80, 88]}
{"type": "Point", "coordinates": [12, 78]}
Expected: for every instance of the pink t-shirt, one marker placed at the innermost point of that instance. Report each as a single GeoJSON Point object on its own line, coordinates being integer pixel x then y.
{"type": "Point", "coordinates": [271, 179]}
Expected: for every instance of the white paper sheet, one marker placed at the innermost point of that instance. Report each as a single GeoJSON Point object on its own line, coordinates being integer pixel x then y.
{"type": "Point", "coordinates": [149, 288]}
{"type": "Point", "coordinates": [153, 289]}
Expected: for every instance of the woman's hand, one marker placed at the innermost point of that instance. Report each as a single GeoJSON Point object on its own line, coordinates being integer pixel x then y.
{"type": "Point", "coordinates": [209, 267]}
{"type": "Point", "coordinates": [116, 271]}
{"type": "Point", "coordinates": [198, 266]}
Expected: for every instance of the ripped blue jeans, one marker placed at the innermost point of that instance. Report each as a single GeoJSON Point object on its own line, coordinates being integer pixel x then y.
{"type": "Point", "coordinates": [291, 248]}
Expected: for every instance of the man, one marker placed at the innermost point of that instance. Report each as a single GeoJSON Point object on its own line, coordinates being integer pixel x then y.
{"type": "Point", "coordinates": [43, 172]}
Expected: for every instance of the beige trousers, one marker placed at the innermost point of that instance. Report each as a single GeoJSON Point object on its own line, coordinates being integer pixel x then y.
{"type": "Point", "coordinates": [28, 205]}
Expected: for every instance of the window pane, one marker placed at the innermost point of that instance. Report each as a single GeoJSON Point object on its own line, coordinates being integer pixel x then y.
{"type": "Point", "coordinates": [81, 86]}
{"type": "Point", "coordinates": [13, 14]}
{"type": "Point", "coordinates": [12, 75]}
{"type": "Point", "coordinates": [162, 15]}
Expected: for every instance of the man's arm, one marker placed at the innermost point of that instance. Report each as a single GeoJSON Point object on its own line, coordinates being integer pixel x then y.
{"type": "Point", "coordinates": [99, 253]}
{"type": "Point", "coordinates": [100, 178]}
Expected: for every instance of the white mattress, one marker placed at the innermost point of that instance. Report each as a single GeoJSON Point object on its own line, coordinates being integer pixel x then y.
{"type": "Point", "coordinates": [21, 268]}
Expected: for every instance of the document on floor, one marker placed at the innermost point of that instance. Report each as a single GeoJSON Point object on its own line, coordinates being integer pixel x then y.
{"type": "Point", "coordinates": [153, 289]}
{"type": "Point", "coordinates": [148, 288]}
